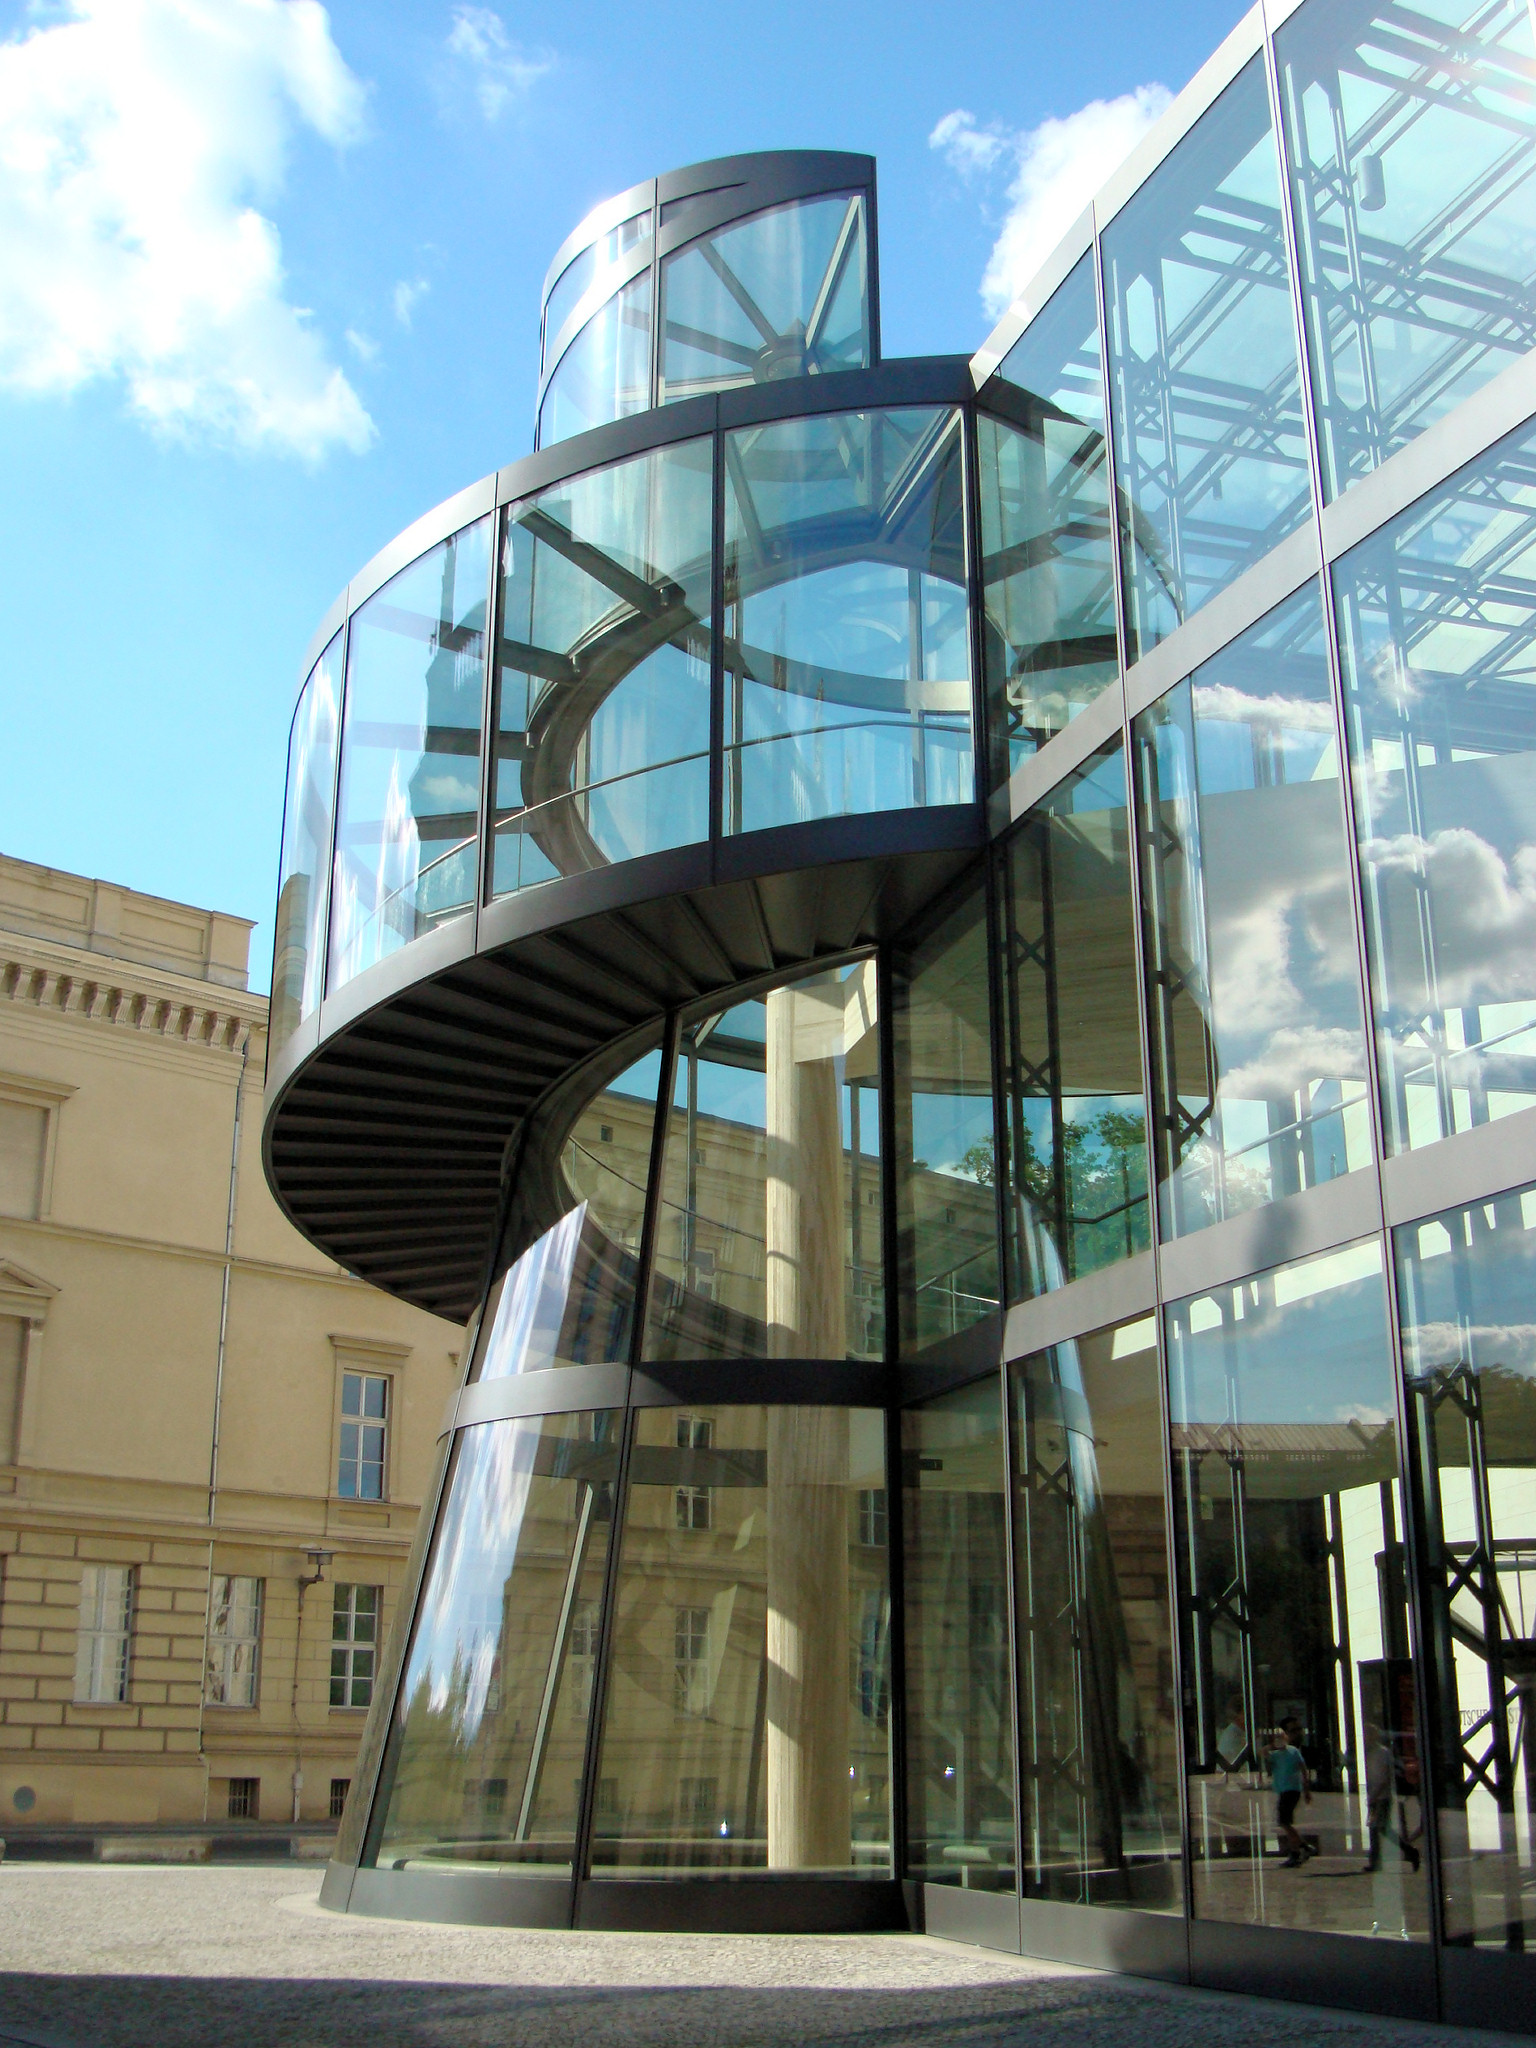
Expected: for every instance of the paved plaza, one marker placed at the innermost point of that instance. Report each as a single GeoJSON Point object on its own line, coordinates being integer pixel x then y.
{"type": "Point", "coordinates": [103, 1957]}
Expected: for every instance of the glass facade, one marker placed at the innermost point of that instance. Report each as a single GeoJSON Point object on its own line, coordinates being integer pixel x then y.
{"type": "Point", "coordinates": [784, 295]}
{"type": "Point", "coordinates": [1303, 1750]}
{"type": "Point", "coordinates": [847, 657]}
{"type": "Point", "coordinates": [1253, 986]}
{"type": "Point", "coordinates": [298, 952]}
{"type": "Point", "coordinates": [1050, 1426]}
{"type": "Point", "coordinates": [1210, 443]}
{"type": "Point", "coordinates": [605, 374]}
{"type": "Point", "coordinates": [587, 273]}
{"type": "Point", "coordinates": [769, 1218]}
{"type": "Point", "coordinates": [1075, 1130]}
{"type": "Point", "coordinates": [602, 669]}
{"type": "Point", "coordinates": [1047, 550]}
{"type": "Point", "coordinates": [1436, 618]}
{"type": "Point", "coordinates": [408, 808]}
{"type": "Point", "coordinates": [1410, 138]}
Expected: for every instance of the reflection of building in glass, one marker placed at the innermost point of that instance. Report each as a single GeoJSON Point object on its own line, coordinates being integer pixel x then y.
{"type": "Point", "coordinates": [966, 1058]}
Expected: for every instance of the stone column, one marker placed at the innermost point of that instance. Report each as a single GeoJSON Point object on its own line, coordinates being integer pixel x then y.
{"type": "Point", "coordinates": [809, 1806]}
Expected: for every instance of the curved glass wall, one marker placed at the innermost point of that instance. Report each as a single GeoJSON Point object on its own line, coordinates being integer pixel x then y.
{"type": "Point", "coordinates": [605, 374]}
{"type": "Point", "coordinates": [587, 271]}
{"type": "Point", "coordinates": [485, 1757]}
{"type": "Point", "coordinates": [768, 1233]}
{"type": "Point", "coordinates": [1253, 983]}
{"type": "Point", "coordinates": [1211, 462]}
{"type": "Point", "coordinates": [569, 1298]}
{"type": "Point", "coordinates": [1410, 134]}
{"type": "Point", "coordinates": [408, 810]}
{"type": "Point", "coordinates": [847, 655]}
{"type": "Point", "coordinates": [785, 294]}
{"type": "Point", "coordinates": [1047, 549]}
{"type": "Point", "coordinates": [1437, 622]}
{"type": "Point", "coordinates": [602, 669]}
{"type": "Point", "coordinates": [298, 952]}
{"type": "Point", "coordinates": [747, 1717]}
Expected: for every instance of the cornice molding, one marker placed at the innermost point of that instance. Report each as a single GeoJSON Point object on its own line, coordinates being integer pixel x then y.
{"type": "Point", "coordinates": [58, 981]}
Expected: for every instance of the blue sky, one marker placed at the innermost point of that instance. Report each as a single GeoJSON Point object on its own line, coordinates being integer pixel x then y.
{"type": "Point", "coordinates": [271, 290]}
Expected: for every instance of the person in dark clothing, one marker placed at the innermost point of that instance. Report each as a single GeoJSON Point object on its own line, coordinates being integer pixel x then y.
{"type": "Point", "coordinates": [1288, 1775]}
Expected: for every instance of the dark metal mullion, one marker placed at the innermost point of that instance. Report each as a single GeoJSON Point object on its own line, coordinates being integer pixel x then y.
{"type": "Point", "coordinates": [654, 385]}
{"type": "Point", "coordinates": [896, 1742]}
{"type": "Point", "coordinates": [586, 1810]}
{"type": "Point", "coordinates": [490, 713]}
{"type": "Point", "coordinates": [717, 648]}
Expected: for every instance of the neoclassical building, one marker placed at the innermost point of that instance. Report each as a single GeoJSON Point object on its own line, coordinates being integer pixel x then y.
{"type": "Point", "coordinates": [936, 955]}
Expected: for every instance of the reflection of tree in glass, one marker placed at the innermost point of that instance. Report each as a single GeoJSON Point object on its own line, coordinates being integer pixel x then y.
{"type": "Point", "coordinates": [1103, 1161]}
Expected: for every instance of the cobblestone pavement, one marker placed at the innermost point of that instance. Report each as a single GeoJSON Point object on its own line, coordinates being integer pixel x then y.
{"type": "Point", "coordinates": [102, 1957]}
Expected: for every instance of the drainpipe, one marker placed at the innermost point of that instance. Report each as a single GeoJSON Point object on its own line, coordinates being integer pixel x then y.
{"type": "Point", "coordinates": [218, 1389]}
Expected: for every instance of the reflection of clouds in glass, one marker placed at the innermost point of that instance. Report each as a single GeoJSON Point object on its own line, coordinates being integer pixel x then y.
{"type": "Point", "coordinates": [1433, 1346]}
{"type": "Point", "coordinates": [1275, 960]}
{"type": "Point", "coordinates": [1484, 909]}
{"type": "Point", "coordinates": [1292, 1059]}
{"type": "Point", "coordinates": [525, 1336]}
{"type": "Point", "coordinates": [1278, 717]}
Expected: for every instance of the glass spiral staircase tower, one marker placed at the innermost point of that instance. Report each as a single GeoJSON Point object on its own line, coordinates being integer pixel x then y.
{"type": "Point", "coordinates": [935, 957]}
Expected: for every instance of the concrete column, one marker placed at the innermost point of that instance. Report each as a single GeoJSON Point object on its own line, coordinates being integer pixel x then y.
{"type": "Point", "coordinates": [804, 1223]}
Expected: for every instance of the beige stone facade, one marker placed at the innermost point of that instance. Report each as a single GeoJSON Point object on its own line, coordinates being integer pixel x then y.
{"type": "Point", "coordinates": [173, 1359]}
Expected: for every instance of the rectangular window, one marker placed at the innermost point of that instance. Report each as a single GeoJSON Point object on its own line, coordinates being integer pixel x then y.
{"type": "Point", "coordinates": [959, 1721]}
{"type": "Point", "coordinates": [697, 1801]}
{"type": "Point", "coordinates": [690, 1654]}
{"type": "Point", "coordinates": [23, 1148]}
{"type": "Point", "coordinates": [13, 1350]}
{"type": "Point", "coordinates": [1048, 573]}
{"type": "Point", "coordinates": [362, 1463]}
{"type": "Point", "coordinates": [1210, 445]}
{"type": "Point", "coordinates": [694, 1505]}
{"type": "Point", "coordinates": [1410, 135]}
{"type": "Point", "coordinates": [234, 1642]}
{"type": "Point", "coordinates": [581, 1660]}
{"type": "Point", "coordinates": [106, 1626]}
{"type": "Point", "coordinates": [354, 1644]}
{"type": "Point", "coordinates": [340, 1787]}
{"type": "Point", "coordinates": [1436, 617]}
{"type": "Point", "coordinates": [873, 1521]}
{"type": "Point", "coordinates": [245, 1799]}
{"type": "Point", "coordinates": [1301, 1736]}
{"type": "Point", "coordinates": [1076, 1173]}
{"type": "Point", "coordinates": [1253, 990]}
{"type": "Point", "coordinates": [946, 1197]}
{"type": "Point", "coordinates": [1466, 1282]}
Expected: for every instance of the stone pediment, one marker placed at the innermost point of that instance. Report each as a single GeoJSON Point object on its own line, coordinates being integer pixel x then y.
{"type": "Point", "coordinates": [24, 1294]}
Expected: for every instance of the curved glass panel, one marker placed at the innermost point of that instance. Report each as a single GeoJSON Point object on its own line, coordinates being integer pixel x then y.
{"type": "Point", "coordinates": [1253, 982]}
{"type": "Point", "coordinates": [298, 951]}
{"type": "Point", "coordinates": [1466, 1285]}
{"type": "Point", "coordinates": [491, 1725]}
{"type": "Point", "coordinates": [1437, 625]}
{"type": "Point", "coordinates": [1076, 1125]}
{"type": "Point", "coordinates": [1410, 135]}
{"type": "Point", "coordinates": [586, 272]}
{"type": "Point", "coordinates": [602, 664]}
{"type": "Point", "coordinates": [1048, 573]}
{"type": "Point", "coordinates": [605, 374]}
{"type": "Point", "coordinates": [847, 634]}
{"type": "Point", "coordinates": [946, 1197]}
{"type": "Point", "coordinates": [782, 295]}
{"type": "Point", "coordinates": [409, 811]}
{"type": "Point", "coordinates": [1210, 445]}
{"type": "Point", "coordinates": [746, 1726]}
{"type": "Point", "coordinates": [1298, 1669]}
{"type": "Point", "coordinates": [768, 1236]}
{"type": "Point", "coordinates": [569, 1299]}
{"type": "Point", "coordinates": [1098, 1716]}
{"type": "Point", "coordinates": [955, 1606]}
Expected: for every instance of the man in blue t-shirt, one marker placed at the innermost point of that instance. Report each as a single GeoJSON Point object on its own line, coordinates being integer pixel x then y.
{"type": "Point", "coordinates": [1288, 1775]}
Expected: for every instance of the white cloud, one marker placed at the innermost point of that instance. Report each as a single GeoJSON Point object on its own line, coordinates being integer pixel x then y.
{"type": "Point", "coordinates": [135, 138]}
{"type": "Point", "coordinates": [407, 293]}
{"type": "Point", "coordinates": [1057, 168]}
{"type": "Point", "coordinates": [362, 346]}
{"type": "Point", "coordinates": [501, 70]}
